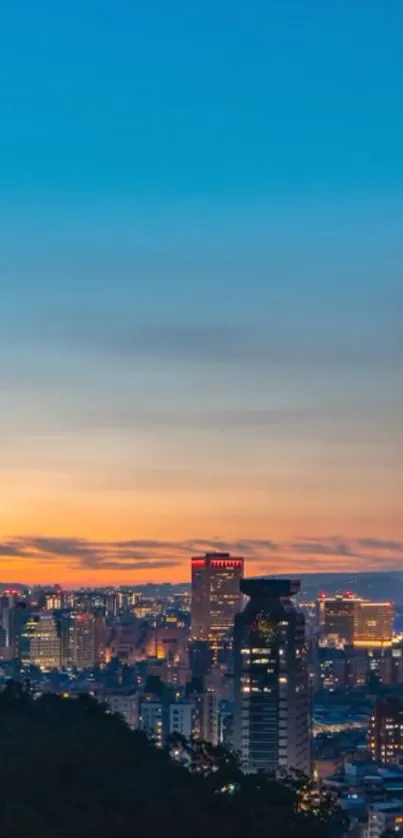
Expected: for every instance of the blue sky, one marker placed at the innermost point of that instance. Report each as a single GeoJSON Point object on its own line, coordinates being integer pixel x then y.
{"type": "Point", "coordinates": [201, 269]}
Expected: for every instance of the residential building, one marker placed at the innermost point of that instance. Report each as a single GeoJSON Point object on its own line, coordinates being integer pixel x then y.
{"type": "Point", "coordinates": [385, 733]}
{"type": "Point", "coordinates": [151, 720]}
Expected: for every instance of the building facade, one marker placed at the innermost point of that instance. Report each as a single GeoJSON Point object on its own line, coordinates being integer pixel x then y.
{"type": "Point", "coordinates": [373, 627]}
{"type": "Point", "coordinates": [272, 702]}
{"type": "Point", "coordinates": [337, 617]}
{"type": "Point", "coordinates": [385, 733]}
{"type": "Point", "coordinates": [152, 720]}
{"type": "Point", "coordinates": [216, 597]}
{"type": "Point", "coordinates": [40, 642]}
{"type": "Point", "coordinates": [82, 640]}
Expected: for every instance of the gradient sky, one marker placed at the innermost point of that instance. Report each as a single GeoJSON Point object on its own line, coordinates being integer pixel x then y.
{"type": "Point", "coordinates": [201, 286]}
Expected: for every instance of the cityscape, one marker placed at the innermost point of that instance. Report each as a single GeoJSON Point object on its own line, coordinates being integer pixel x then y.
{"type": "Point", "coordinates": [248, 663]}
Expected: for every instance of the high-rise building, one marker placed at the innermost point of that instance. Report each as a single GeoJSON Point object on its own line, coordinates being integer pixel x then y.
{"type": "Point", "coordinates": [272, 702]}
{"type": "Point", "coordinates": [199, 658]}
{"type": "Point", "coordinates": [385, 733]}
{"type": "Point", "coordinates": [337, 616]}
{"type": "Point", "coordinates": [205, 718]}
{"type": "Point", "coordinates": [18, 616]}
{"type": "Point", "coordinates": [40, 642]}
{"type": "Point", "coordinates": [82, 640]}
{"type": "Point", "coordinates": [100, 636]}
{"type": "Point", "coordinates": [64, 621]}
{"type": "Point", "coordinates": [8, 602]}
{"type": "Point", "coordinates": [373, 626]}
{"type": "Point", "coordinates": [216, 597]}
{"type": "Point", "coordinates": [355, 621]}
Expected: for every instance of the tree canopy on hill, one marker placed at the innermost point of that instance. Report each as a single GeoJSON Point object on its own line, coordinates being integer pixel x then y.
{"type": "Point", "coordinates": [69, 769]}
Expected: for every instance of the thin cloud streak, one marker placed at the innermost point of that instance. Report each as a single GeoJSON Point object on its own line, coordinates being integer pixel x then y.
{"type": "Point", "coordinates": [228, 343]}
{"type": "Point", "coordinates": [149, 554]}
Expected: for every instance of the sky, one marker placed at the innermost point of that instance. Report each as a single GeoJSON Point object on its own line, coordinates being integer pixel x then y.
{"type": "Point", "coordinates": [201, 287]}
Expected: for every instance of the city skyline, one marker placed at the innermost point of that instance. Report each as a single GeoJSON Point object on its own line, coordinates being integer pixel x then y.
{"type": "Point", "coordinates": [200, 255]}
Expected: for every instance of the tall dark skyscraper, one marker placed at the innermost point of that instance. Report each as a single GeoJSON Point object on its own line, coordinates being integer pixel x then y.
{"type": "Point", "coordinates": [216, 596]}
{"type": "Point", "coordinates": [272, 705]}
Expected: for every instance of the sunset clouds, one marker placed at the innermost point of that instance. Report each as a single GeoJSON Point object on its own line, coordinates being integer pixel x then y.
{"type": "Point", "coordinates": [142, 559]}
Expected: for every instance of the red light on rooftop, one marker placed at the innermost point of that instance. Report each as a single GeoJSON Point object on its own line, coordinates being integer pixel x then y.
{"type": "Point", "coordinates": [224, 563]}
{"type": "Point", "coordinates": [198, 563]}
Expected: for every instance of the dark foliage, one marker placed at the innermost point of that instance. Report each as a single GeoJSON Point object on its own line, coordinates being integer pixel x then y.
{"type": "Point", "coordinates": [69, 770]}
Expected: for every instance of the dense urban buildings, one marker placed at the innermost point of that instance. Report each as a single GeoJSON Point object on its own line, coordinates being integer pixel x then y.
{"type": "Point", "coordinates": [216, 597]}
{"type": "Point", "coordinates": [272, 705]}
{"type": "Point", "coordinates": [290, 682]}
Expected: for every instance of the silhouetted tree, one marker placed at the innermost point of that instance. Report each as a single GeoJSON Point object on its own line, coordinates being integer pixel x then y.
{"type": "Point", "coordinates": [70, 769]}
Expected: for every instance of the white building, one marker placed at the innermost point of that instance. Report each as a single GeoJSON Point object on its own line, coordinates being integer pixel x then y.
{"type": "Point", "coordinates": [181, 719]}
{"type": "Point", "coordinates": [151, 720]}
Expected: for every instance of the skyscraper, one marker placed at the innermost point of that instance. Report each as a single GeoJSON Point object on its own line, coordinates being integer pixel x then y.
{"type": "Point", "coordinates": [216, 597]}
{"type": "Point", "coordinates": [40, 642]}
{"type": "Point", "coordinates": [82, 640]}
{"type": "Point", "coordinates": [272, 705]}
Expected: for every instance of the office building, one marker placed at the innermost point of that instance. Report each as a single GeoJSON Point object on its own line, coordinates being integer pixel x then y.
{"type": "Point", "coordinates": [373, 626]}
{"type": "Point", "coordinates": [385, 733]}
{"type": "Point", "coordinates": [40, 642]}
{"type": "Point", "coordinates": [272, 704]}
{"type": "Point", "coordinates": [349, 620]}
{"type": "Point", "coordinates": [337, 617]}
{"type": "Point", "coordinates": [216, 597]}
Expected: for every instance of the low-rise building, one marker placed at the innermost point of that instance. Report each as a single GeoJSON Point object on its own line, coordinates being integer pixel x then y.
{"type": "Point", "coordinates": [384, 816]}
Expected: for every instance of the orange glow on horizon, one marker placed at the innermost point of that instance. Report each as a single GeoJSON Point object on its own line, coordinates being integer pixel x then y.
{"type": "Point", "coordinates": [42, 505]}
